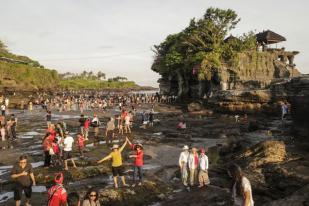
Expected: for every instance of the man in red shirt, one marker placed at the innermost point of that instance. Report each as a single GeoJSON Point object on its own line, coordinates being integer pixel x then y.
{"type": "Point", "coordinates": [138, 163]}
{"type": "Point", "coordinates": [57, 194]}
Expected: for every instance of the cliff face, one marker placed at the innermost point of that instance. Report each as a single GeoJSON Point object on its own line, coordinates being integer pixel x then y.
{"type": "Point", "coordinates": [252, 70]}
{"type": "Point", "coordinates": [298, 95]}
{"type": "Point", "coordinates": [22, 77]}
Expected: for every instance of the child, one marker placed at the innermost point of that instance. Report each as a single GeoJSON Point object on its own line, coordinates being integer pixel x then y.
{"type": "Point", "coordinates": [81, 144]}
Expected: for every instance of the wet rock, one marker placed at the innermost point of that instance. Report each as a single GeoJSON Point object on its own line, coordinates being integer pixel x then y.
{"type": "Point", "coordinates": [264, 153]}
{"type": "Point", "coordinates": [43, 175]}
{"type": "Point", "coordinates": [195, 106]}
{"type": "Point", "coordinates": [140, 195]}
{"type": "Point", "coordinates": [298, 198]}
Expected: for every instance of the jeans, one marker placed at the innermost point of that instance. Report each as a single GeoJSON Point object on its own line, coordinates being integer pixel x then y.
{"type": "Point", "coordinates": [139, 171]}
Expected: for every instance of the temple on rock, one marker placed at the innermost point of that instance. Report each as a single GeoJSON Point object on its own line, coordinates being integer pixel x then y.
{"type": "Point", "coordinates": [252, 70]}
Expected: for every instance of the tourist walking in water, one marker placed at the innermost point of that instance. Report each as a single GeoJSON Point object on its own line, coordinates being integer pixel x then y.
{"type": "Point", "coordinates": [203, 169]}
{"type": "Point", "coordinates": [109, 132]}
{"type": "Point", "coordinates": [48, 149]}
{"type": "Point", "coordinates": [241, 190]}
{"type": "Point", "coordinates": [95, 123]}
{"type": "Point", "coordinates": [138, 162]}
{"type": "Point", "coordinates": [57, 194]}
{"type": "Point", "coordinates": [193, 165]}
{"type": "Point", "coordinates": [22, 174]}
{"type": "Point", "coordinates": [183, 160]}
{"type": "Point", "coordinates": [48, 118]}
{"type": "Point", "coordinates": [3, 109]}
{"type": "Point", "coordinates": [284, 111]}
{"type": "Point", "coordinates": [91, 198]}
{"type": "Point", "coordinates": [82, 120]}
{"type": "Point", "coordinates": [117, 167]}
{"type": "Point", "coordinates": [67, 150]}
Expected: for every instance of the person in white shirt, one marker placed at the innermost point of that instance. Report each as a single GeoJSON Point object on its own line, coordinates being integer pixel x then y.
{"type": "Point", "coordinates": [203, 173]}
{"type": "Point", "coordinates": [241, 191]}
{"type": "Point", "coordinates": [193, 166]}
{"type": "Point", "coordinates": [67, 150]}
{"type": "Point", "coordinates": [127, 128]}
{"type": "Point", "coordinates": [183, 160]}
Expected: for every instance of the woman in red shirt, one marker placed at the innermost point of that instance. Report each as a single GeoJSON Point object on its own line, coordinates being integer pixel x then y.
{"type": "Point", "coordinates": [138, 163]}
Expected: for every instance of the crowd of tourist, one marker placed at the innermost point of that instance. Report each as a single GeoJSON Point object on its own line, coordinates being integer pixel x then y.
{"type": "Point", "coordinates": [58, 144]}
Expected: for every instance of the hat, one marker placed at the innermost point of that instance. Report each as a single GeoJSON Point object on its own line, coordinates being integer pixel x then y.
{"type": "Point", "coordinates": [115, 146]}
{"type": "Point", "coordinates": [185, 147]}
{"type": "Point", "coordinates": [59, 178]}
{"type": "Point", "coordinates": [202, 150]}
{"type": "Point", "coordinates": [138, 145]}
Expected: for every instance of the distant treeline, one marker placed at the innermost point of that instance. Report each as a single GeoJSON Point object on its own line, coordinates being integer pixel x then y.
{"type": "Point", "coordinates": [20, 73]}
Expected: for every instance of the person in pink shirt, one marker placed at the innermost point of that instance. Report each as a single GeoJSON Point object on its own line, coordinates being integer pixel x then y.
{"type": "Point", "coordinates": [81, 144]}
{"type": "Point", "coordinates": [138, 163]}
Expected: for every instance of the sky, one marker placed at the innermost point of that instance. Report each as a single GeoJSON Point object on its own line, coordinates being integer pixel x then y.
{"type": "Point", "coordinates": [116, 36]}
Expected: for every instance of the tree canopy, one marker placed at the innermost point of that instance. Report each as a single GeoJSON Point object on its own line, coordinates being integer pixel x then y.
{"type": "Point", "coordinates": [202, 43]}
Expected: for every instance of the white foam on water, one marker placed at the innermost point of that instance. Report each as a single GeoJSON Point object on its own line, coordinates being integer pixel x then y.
{"type": "Point", "coordinates": [6, 196]}
{"type": "Point", "coordinates": [158, 133]}
{"type": "Point", "coordinates": [156, 120]}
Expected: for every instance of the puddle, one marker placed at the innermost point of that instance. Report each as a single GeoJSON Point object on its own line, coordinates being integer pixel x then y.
{"type": "Point", "coordinates": [150, 167]}
{"type": "Point", "coordinates": [6, 196]}
{"type": "Point", "coordinates": [25, 137]}
{"type": "Point", "coordinates": [39, 189]}
{"type": "Point", "coordinates": [65, 116]}
{"type": "Point", "coordinates": [37, 164]}
{"type": "Point", "coordinates": [35, 146]}
{"type": "Point", "coordinates": [3, 172]}
{"type": "Point", "coordinates": [32, 133]}
{"type": "Point", "coordinates": [101, 142]}
{"type": "Point", "coordinates": [6, 167]}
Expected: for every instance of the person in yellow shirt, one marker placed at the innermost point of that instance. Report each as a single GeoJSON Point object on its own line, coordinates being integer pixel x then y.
{"type": "Point", "coordinates": [117, 167]}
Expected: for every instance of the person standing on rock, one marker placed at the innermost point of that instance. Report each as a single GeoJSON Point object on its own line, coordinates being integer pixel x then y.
{"type": "Point", "coordinates": [57, 194]}
{"type": "Point", "coordinates": [117, 167]}
{"type": "Point", "coordinates": [81, 121]}
{"type": "Point", "coordinates": [138, 163]}
{"type": "Point", "coordinates": [193, 163]}
{"type": "Point", "coordinates": [284, 111]}
{"type": "Point", "coordinates": [203, 172]}
{"type": "Point", "coordinates": [48, 118]}
{"type": "Point", "coordinates": [67, 150]}
{"type": "Point", "coordinates": [109, 132]}
{"type": "Point", "coordinates": [95, 123]}
{"type": "Point", "coordinates": [241, 191]}
{"type": "Point", "coordinates": [22, 174]}
{"type": "Point", "coordinates": [183, 160]}
{"type": "Point", "coordinates": [3, 109]}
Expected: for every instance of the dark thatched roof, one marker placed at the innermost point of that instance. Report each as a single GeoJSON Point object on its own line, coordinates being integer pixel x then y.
{"type": "Point", "coordinates": [269, 37]}
{"type": "Point", "coordinates": [230, 38]}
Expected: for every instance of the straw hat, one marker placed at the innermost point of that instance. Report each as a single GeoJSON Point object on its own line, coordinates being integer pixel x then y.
{"type": "Point", "coordinates": [115, 146]}
{"type": "Point", "coordinates": [138, 145]}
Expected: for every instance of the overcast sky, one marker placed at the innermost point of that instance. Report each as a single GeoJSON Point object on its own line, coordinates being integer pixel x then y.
{"type": "Point", "coordinates": [115, 36]}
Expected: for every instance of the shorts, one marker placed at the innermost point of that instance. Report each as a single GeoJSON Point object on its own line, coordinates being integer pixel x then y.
{"type": "Point", "coordinates": [67, 155]}
{"type": "Point", "coordinates": [18, 191]}
{"type": "Point", "coordinates": [117, 171]}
